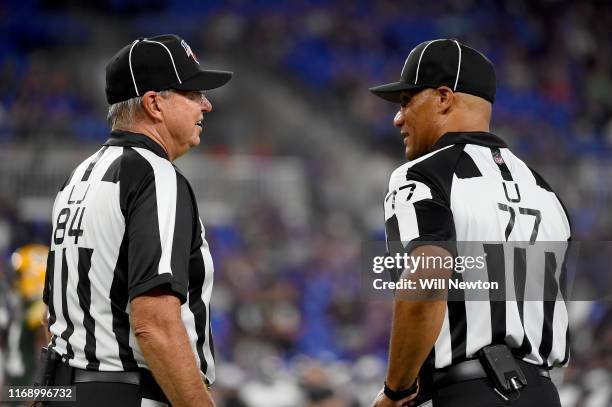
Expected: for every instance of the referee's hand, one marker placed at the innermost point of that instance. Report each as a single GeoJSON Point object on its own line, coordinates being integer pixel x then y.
{"type": "Point", "coordinates": [383, 401]}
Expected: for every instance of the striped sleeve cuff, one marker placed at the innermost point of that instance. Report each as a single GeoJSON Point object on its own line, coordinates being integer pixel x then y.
{"type": "Point", "coordinates": [160, 280]}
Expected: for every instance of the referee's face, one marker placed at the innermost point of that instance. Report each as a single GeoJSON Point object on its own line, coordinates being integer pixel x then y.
{"type": "Point", "coordinates": [184, 118]}
{"type": "Point", "coordinates": [417, 120]}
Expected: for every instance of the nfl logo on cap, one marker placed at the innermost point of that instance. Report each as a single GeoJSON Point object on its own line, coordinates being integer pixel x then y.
{"type": "Point", "coordinates": [189, 51]}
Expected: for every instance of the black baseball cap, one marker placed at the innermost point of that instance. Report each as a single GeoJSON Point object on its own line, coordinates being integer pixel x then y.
{"type": "Point", "coordinates": [443, 62]}
{"type": "Point", "coordinates": [157, 63]}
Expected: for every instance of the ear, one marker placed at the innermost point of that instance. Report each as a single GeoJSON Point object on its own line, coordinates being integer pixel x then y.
{"type": "Point", "coordinates": [152, 105]}
{"type": "Point", "coordinates": [446, 98]}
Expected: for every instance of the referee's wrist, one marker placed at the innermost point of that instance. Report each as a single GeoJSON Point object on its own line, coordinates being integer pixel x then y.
{"type": "Point", "coordinates": [400, 394]}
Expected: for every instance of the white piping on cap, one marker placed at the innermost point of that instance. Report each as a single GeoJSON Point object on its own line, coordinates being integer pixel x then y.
{"type": "Point", "coordinates": [131, 70]}
{"type": "Point", "coordinates": [416, 78]}
{"type": "Point", "coordinates": [171, 58]}
{"type": "Point", "coordinates": [458, 66]}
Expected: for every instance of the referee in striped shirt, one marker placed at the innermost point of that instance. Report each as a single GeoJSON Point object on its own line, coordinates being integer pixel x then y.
{"type": "Point", "coordinates": [129, 274]}
{"type": "Point", "coordinates": [463, 184]}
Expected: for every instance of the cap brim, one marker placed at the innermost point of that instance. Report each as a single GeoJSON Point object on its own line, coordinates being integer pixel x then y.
{"type": "Point", "coordinates": [392, 91]}
{"type": "Point", "coordinates": [206, 80]}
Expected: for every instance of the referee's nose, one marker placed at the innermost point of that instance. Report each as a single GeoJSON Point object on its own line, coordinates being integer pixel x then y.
{"type": "Point", "coordinates": [398, 120]}
{"type": "Point", "coordinates": [206, 105]}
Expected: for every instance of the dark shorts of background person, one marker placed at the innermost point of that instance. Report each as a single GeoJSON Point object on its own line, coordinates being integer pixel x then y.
{"type": "Point", "coordinates": [107, 393]}
{"type": "Point", "coordinates": [540, 391]}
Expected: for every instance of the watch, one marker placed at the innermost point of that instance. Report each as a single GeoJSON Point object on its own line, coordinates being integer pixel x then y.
{"type": "Point", "coordinates": [397, 395]}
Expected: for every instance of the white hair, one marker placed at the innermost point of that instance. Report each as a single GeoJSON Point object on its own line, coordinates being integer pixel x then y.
{"type": "Point", "coordinates": [123, 114]}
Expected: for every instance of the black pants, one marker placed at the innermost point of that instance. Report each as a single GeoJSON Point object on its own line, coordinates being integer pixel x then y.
{"type": "Point", "coordinates": [539, 392]}
{"type": "Point", "coordinates": [105, 394]}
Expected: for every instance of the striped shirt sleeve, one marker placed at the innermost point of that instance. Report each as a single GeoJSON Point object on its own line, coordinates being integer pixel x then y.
{"type": "Point", "coordinates": [415, 212]}
{"type": "Point", "coordinates": [155, 215]}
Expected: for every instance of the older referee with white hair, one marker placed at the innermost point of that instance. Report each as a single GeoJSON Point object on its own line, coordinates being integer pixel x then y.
{"type": "Point", "coordinates": [129, 275]}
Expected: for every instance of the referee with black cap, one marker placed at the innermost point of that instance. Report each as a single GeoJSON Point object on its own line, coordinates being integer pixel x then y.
{"type": "Point", "coordinates": [462, 184]}
{"type": "Point", "coordinates": [129, 274]}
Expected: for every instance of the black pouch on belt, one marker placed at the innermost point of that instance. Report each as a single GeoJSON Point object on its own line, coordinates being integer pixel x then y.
{"type": "Point", "coordinates": [502, 368]}
{"type": "Point", "coordinates": [46, 369]}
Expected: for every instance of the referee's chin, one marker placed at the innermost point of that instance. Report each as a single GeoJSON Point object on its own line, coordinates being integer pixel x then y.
{"type": "Point", "coordinates": [188, 145]}
{"type": "Point", "coordinates": [411, 154]}
{"type": "Point", "coordinates": [195, 139]}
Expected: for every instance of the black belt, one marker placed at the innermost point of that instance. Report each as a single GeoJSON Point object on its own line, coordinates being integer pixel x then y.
{"type": "Point", "coordinates": [89, 376]}
{"type": "Point", "coordinates": [472, 369]}
{"type": "Point", "coordinates": [65, 374]}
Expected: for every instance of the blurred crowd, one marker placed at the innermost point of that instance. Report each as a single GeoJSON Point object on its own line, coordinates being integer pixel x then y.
{"type": "Point", "coordinates": [553, 59]}
{"type": "Point", "coordinates": [291, 325]}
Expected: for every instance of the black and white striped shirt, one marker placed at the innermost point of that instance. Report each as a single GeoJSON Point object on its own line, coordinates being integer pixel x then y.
{"type": "Point", "coordinates": [125, 222]}
{"type": "Point", "coordinates": [472, 188]}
